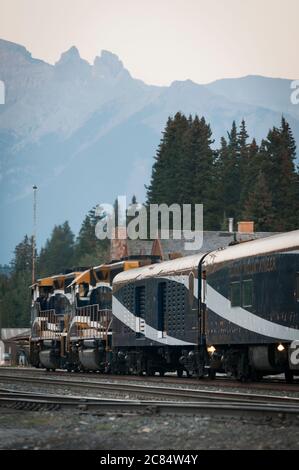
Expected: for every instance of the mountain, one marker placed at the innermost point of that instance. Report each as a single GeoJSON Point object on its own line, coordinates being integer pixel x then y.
{"type": "Point", "coordinates": [86, 133]}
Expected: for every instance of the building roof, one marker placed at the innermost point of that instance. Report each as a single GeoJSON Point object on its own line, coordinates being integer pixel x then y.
{"type": "Point", "coordinates": [212, 240]}
{"type": "Point", "coordinates": [282, 242]}
{"type": "Point", "coordinates": [14, 333]}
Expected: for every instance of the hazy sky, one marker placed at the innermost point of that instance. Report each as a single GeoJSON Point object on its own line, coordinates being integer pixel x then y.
{"type": "Point", "coordinates": [163, 40]}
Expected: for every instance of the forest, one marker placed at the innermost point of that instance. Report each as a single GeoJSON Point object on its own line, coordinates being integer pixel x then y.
{"type": "Point", "coordinates": [242, 179]}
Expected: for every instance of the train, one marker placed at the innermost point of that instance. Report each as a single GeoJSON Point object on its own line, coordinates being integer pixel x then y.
{"type": "Point", "coordinates": [232, 311]}
{"type": "Point", "coordinates": [72, 310]}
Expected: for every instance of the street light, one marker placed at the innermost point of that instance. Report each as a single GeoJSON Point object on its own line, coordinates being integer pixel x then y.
{"type": "Point", "coordinates": [34, 187]}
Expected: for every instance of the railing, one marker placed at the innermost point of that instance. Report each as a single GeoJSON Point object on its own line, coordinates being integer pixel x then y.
{"type": "Point", "coordinates": [46, 324]}
{"type": "Point", "coordinates": [90, 323]}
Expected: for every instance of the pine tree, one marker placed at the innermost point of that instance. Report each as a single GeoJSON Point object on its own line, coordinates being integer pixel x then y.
{"type": "Point", "coordinates": [228, 175]}
{"type": "Point", "coordinates": [183, 169]}
{"type": "Point", "coordinates": [279, 151]}
{"type": "Point", "coordinates": [169, 163]}
{"type": "Point", "coordinates": [58, 253]}
{"type": "Point", "coordinates": [289, 182]}
{"type": "Point", "coordinates": [22, 260]}
{"type": "Point", "coordinates": [258, 206]}
{"type": "Point", "coordinates": [251, 164]}
{"type": "Point", "coordinates": [132, 203]}
{"type": "Point", "coordinates": [15, 292]}
{"type": "Point", "coordinates": [199, 179]}
{"type": "Point", "coordinates": [89, 250]}
{"type": "Point", "coordinates": [244, 156]}
{"type": "Point", "coordinates": [242, 138]}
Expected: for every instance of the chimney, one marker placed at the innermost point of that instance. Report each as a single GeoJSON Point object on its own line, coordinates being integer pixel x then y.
{"type": "Point", "coordinates": [246, 226]}
{"type": "Point", "coordinates": [230, 225]}
{"type": "Point", "coordinates": [119, 243]}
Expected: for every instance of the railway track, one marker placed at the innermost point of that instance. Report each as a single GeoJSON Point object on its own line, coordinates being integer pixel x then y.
{"type": "Point", "coordinates": [268, 383]}
{"type": "Point", "coordinates": [30, 401]}
{"type": "Point", "coordinates": [152, 391]}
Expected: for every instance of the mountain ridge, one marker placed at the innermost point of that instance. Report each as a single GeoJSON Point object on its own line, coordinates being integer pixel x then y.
{"type": "Point", "coordinates": [85, 133]}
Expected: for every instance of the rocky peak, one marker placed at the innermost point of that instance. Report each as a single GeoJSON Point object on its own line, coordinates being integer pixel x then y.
{"type": "Point", "coordinates": [70, 63]}
{"type": "Point", "coordinates": [12, 48]}
{"type": "Point", "coordinates": [71, 55]}
{"type": "Point", "coordinates": [108, 65]}
{"type": "Point", "coordinates": [16, 54]}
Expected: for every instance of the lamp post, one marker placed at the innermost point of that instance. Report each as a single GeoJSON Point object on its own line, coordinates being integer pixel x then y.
{"type": "Point", "coordinates": [0, 321]}
{"type": "Point", "coordinates": [34, 233]}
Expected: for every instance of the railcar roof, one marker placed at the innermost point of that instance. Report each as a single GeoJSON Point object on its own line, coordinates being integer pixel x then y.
{"type": "Point", "coordinates": [277, 243]}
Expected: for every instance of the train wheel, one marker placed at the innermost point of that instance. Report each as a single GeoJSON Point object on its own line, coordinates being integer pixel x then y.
{"type": "Point", "coordinates": [180, 372]}
{"type": "Point", "coordinates": [256, 376]}
{"type": "Point", "coordinates": [150, 372]}
{"type": "Point", "coordinates": [212, 374]}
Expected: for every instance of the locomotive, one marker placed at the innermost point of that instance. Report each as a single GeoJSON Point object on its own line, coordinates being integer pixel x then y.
{"type": "Point", "coordinates": [233, 310]}
{"type": "Point", "coordinates": [50, 312]}
{"type": "Point", "coordinates": [90, 329]}
{"type": "Point", "coordinates": [71, 317]}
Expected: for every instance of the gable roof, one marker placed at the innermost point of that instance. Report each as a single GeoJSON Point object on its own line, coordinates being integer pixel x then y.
{"type": "Point", "coordinates": [212, 240]}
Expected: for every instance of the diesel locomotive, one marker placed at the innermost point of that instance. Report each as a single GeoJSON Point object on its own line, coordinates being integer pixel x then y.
{"type": "Point", "coordinates": [71, 317]}
{"type": "Point", "coordinates": [50, 313]}
{"type": "Point", "coordinates": [233, 310]}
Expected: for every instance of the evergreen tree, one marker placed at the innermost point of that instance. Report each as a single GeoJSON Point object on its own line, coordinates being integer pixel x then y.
{"type": "Point", "coordinates": [22, 260]}
{"type": "Point", "coordinates": [251, 165]}
{"type": "Point", "coordinates": [199, 180]}
{"type": "Point", "coordinates": [184, 164]}
{"type": "Point", "coordinates": [258, 206]}
{"type": "Point", "coordinates": [228, 175]}
{"type": "Point", "coordinates": [132, 203]}
{"type": "Point", "coordinates": [279, 151]}
{"type": "Point", "coordinates": [14, 290]}
{"type": "Point", "coordinates": [242, 138]}
{"type": "Point", "coordinates": [89, 250]}
{"type": "Point", "coordinates": [169, 163]}
{"type": "Point", "coordinates": [243, 158]}
{"type": "Point", "coordinates": [58, 253]}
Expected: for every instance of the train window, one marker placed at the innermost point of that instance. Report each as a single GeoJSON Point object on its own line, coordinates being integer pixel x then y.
{"type": "Point", "coordinates": [247, 293]}
{"type": "Point", "coordinates": [235, 294]}
{"type": "Point", "coordinates": [67, 283]}
{"type": "Point", "coordinates": [297, 287]}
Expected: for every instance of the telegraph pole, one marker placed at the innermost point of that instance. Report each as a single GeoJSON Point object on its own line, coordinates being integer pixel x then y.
{"type": "Point", "coordinates": [34, 233]}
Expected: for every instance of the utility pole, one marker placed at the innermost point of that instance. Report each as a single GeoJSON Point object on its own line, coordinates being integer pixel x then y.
{"type": "Point", "coordinates": [34, 233]}
{"type": "Point", "coordinates": [0, 324]}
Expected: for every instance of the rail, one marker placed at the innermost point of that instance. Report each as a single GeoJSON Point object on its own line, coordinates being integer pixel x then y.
{"type": "Point", "coordinates": [47, 324]}
{"type": "Point", "coordinates": [181, 400]}
{"type": "Point", "coordinates": [90, 322]}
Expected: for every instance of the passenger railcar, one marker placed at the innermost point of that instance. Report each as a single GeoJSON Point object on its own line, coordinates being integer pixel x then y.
{"type": "Point", "coordinates": [234, 310]}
